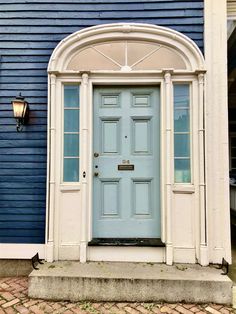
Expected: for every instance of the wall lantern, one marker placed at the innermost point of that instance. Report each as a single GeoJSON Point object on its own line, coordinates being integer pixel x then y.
{"type": "Point", "coordinates": [21, 111]}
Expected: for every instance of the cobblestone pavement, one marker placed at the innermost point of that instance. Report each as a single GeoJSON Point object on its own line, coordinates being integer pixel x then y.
{"type": "Point", "coordinates": [14, 299]}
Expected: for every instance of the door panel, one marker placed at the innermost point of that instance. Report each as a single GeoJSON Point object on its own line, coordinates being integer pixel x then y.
{"type": "Point", "coordinates": [142, 199]}
{"type": "Point", "coordinates": [141, 136]}
{"type": "Point", "coordinates": [110, 199]}
{"type": "Point", "coordinates": [126, 203]}
{"type": "Point", "coordinates": [110, 136]}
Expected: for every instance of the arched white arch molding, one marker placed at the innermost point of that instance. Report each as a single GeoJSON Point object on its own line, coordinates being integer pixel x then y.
{"type": "Point", "coordinates": [126, 54]}
{"type": "Point", "coordinates": [126, 47]}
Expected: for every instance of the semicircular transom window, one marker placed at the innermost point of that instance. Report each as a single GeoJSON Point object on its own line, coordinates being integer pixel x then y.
{"type": "Point", "coordinates": [126, 56]}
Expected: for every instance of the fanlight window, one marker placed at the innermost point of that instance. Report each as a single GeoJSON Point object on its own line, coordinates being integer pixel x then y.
{"type": "Point", "coordinates": [126, 56]}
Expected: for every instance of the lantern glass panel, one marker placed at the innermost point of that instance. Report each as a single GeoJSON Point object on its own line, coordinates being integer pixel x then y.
{"type": "Point", "coordinates": [19, 109]}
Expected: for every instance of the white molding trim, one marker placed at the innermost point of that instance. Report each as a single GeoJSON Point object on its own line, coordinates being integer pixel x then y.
{"type": "Point", "coordinates": [84, 159]}
{"type": "Point", "coordinates": [168, 173]}
{"type": "Point", "coordinates": [21, 251]}
{"type": "Point", "coordinates": [203, 254]}
{"type": "Point", "coordinates": [216, 136]}
{"type": "Point", "coordinates": [51, 168]}
{"type": "Point", "coordinates": [69, 46]}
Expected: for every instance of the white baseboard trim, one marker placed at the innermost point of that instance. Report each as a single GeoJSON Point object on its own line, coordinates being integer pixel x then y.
{"type": "Point", "coordinates": [21, 251]}
{"type": "Point", "coordinates": [69, 252]}
{"type": "Point", "coordinates": [217, 254]}
{"type": "Point", "coordinates": [126, 254]}
{"type": "Point", "coordinates": [184, 255]}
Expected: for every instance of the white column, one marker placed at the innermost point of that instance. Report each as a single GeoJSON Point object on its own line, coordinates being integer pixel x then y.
{"type": "Point", "coordinates": [83, 168]}
{"type": "Point", "coordinates": [217, 160]}
{"type": "Point", "coordinates": [51, 169]}
{"type": "Point", "coordinates": [203, 258]}
{"type": "Point", "coordinates": [169, 162]}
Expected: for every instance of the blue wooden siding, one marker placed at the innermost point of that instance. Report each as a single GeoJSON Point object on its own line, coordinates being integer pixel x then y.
{"type": "Point", "coordinates": [29, 31]}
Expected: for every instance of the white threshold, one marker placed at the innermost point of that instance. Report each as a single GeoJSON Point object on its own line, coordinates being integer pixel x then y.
{"type": "Point", "coordinates": [21, 251]}
{"type": "Point", "coordinates": [126, 254]}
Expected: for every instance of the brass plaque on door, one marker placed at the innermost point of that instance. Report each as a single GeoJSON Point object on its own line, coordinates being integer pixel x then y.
{"type": "Point", "coordinates": [127, 167]}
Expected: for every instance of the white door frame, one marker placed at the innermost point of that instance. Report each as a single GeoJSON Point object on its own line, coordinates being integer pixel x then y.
{"type": "Point", "coordinates": [113, 81]}
{"type": "Point", "coordinates": [69, 227]}
{"type": "Point", "coordinates": [164, 79]}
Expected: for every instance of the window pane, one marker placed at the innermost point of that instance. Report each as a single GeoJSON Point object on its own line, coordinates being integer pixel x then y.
{"type": "Point", "coordinates": [181, 122]}
{"type": "Point", "coordinates": [71, 170]}
{"type": "Point", "coordinates": [182, 171]}
{"type": "Point", "coordinates": [181, 96]}
{"type": "Point", "coordinates": [71, 120]}
{"type": "Point", "coordinates": [182, 141]}
{"type": "Point", "coordinates": [182, 147]}
{"type": "Point", "coordinates": [71, 96]}
{"type": "Point", "coordinates": [71, 145]}
{"type": "Point", "coordinates": [71, 141]}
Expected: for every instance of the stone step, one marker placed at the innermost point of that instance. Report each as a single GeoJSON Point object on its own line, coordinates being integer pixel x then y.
{"type": "Point", "coordinates": [132, 282]}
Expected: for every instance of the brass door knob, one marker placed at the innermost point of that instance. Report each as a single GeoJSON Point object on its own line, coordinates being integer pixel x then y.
{"type": "Point", "coordinates": [96, 155]}
{"type": "Point", "coordinates": [96, 174]}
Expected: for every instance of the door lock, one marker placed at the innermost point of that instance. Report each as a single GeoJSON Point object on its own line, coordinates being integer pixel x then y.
{"type": "Point", "coordinates": [96, 155]}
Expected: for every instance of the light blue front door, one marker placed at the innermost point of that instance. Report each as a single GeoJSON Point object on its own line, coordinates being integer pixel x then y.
{"type": "Point", "coordinates": [126, 165]}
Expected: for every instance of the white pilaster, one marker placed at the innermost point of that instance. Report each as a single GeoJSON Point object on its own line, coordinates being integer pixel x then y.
{"type": "Point", "coordinates": [169, 167]}
{"type": "Point", "coordinates": [217, 160]}
{"type": "Point", "coordinates": [51, 170]}
{"type": "Point", "coordinates": [84, 167]}
{"type": "Point", "coordinates": [203, 257]}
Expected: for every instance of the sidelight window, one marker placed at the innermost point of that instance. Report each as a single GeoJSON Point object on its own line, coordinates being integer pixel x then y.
{"type": "Point", "coordinates": [71, 133]}
{"type": "Point", "coordinates": [182, 163]}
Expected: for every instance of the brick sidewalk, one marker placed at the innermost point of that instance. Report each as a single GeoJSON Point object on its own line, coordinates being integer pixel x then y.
{"type": "Point", "coordinates": [14, 299]}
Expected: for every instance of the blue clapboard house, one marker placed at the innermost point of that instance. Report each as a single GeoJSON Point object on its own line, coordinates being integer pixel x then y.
{"type": "Point", "coordinates": [122, 145]}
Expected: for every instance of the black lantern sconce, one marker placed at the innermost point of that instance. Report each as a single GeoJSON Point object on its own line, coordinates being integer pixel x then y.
{"type": "Point", "coordinates": [21, 111]}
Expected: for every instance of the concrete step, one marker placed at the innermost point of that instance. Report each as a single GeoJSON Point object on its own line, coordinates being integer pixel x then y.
{"type": "Point", "coordinates": [143, 282]}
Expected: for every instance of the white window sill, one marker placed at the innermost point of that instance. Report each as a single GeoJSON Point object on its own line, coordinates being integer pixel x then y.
{"type": "Point", "coordinates": [70, 187]}
{"type": "Point", "coordinates": [183, 188]}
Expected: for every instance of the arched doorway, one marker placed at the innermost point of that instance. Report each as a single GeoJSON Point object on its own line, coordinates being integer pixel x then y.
{"type": "Point", "coordinates": [125, 128]}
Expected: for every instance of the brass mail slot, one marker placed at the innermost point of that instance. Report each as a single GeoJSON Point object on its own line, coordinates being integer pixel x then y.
{"type": "Point", "coordinates": [126, 167]}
